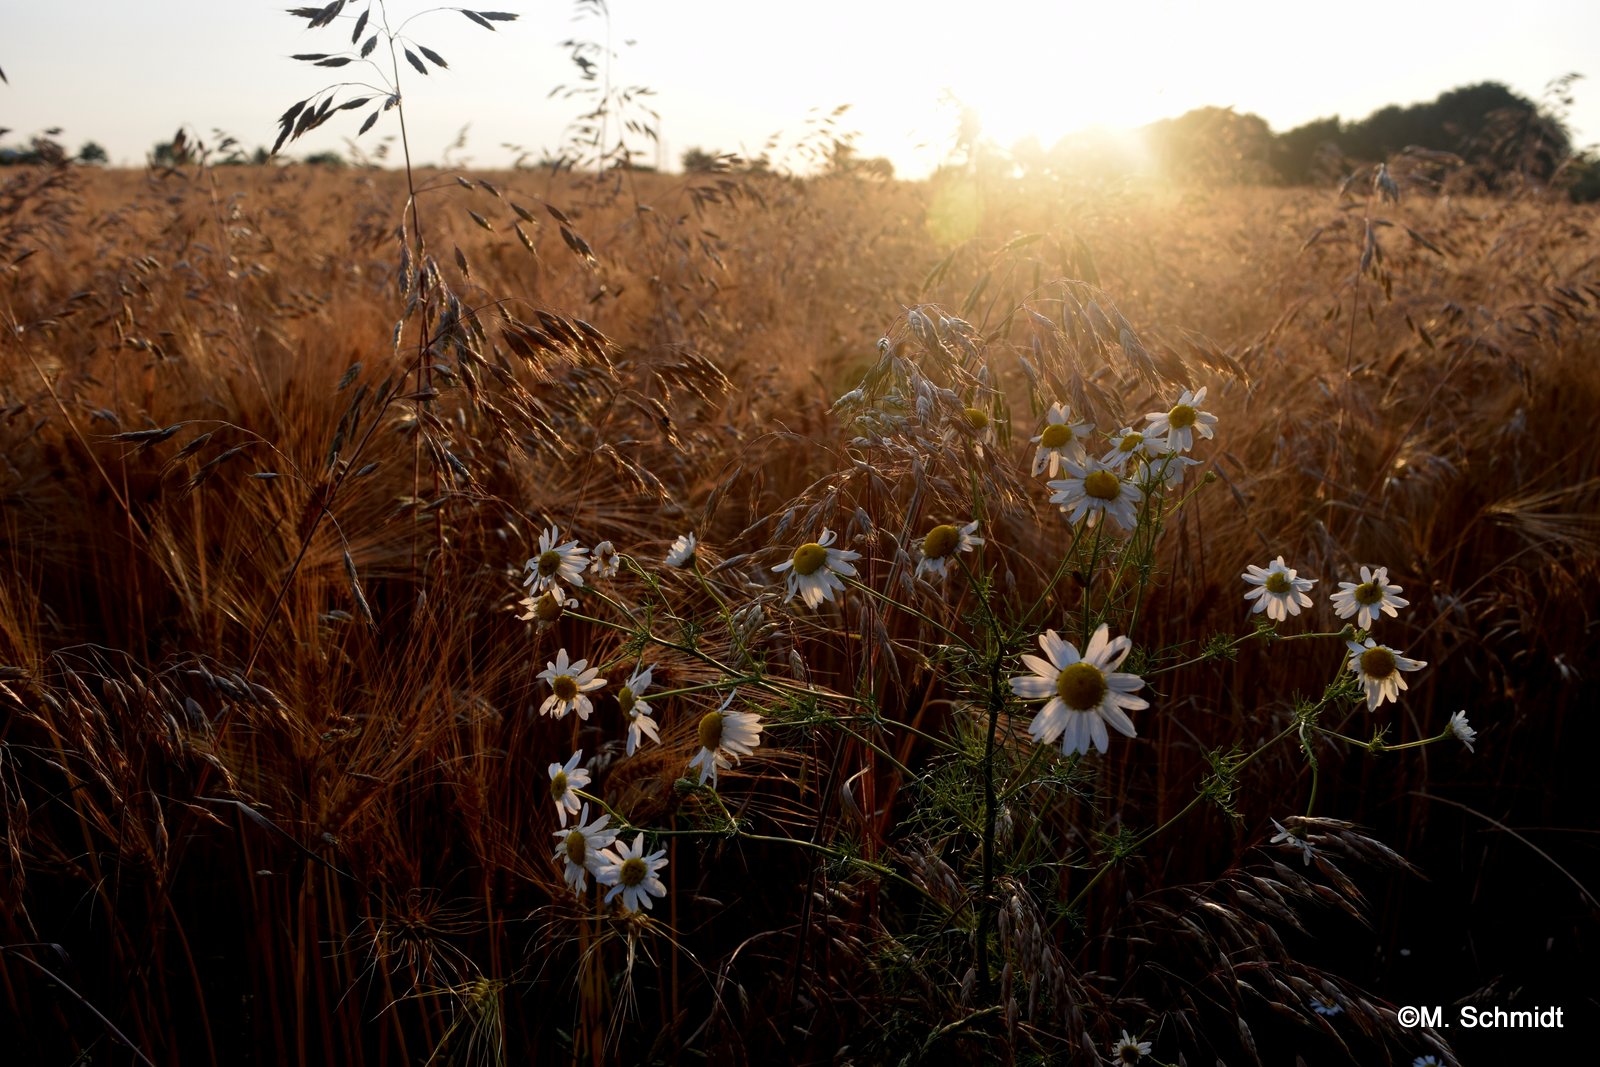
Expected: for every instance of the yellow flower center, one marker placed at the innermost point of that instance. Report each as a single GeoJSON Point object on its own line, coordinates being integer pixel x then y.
{"type": "Point", "coordinates": [977, 418]}
{"type": "Point", "coordinates": [1081, 686]}
{"type": "Point", "coordinates": [633, 871]}
{"type": "Point", "coordinates": [1055, 435]}
{"type": "Point", "coordinates": [1278, 582]}
{"type": "Point", "coordinates": [549, 563]}
{"type": "Point", "coordinates": [564, 687]}
{"type": "Point", "coordinates": [1377, 663]}
{"type": "Point", "coordinates": [1129, 442]}
{"type": "Point", "coordinates": [1129, 1054]}
{"type": "Point", "coordinates": [941, 541]}
{"type": "Point", "coordinates": [1368, 593]}
{"type": "Point", "coordinates": [548, 608]}
{"type": "Point", "coordinates": [558, 785]}
{"type": "Point", "coordinates": [1102, 485]}
{"type": "Point", "coordinates": [711, 730]}
{"type": "Point", "coordinates": [626, 700]}
{"type": "Point", "coordinates": [808, 557]}
{"type": "Point", "coordinates": [577, 846]}
{"type": "Point", "coordinates": [1181, 417]}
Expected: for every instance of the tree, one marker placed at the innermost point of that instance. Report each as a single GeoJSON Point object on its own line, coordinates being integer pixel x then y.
{"type": "Point", "coordinates": [699, 161]}
{"type": "Point", "coordinates": [91, 154]}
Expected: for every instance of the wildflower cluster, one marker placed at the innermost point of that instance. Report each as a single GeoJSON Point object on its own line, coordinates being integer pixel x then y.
{"type": "Point", "coordinates": [1114, 490]}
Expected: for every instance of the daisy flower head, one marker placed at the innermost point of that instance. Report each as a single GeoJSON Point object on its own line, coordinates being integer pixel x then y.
{"type": "Point", "coordinates": [1378, 667]}
{"type": "Point", "coordinates": [580, 848]}
{"type": "Point", "coordinates": [1462, 730]}
{"type": "Point", "coordinates": [681, 554]}
{"type": "Point", "coordinates": [546, 608]}
{"type": "Point", "coordinates": [1093, 490]}
{"type": "Point", "coordinates": [724, 737]}
{"type": "Point", "coordinates": [637, 711]}
{"type": "Point", "coordinates": [941, 544]}
{"type": "Point", "coordinates": [1129, 1049]}
{"type": "Point", "coordinates": [1182, 421]}
{"type": "Point", "coordinates": [1295, 841]}
{"type": "Point", "coordinates": [1082, 693]}
{"type": "Point", "coordinates": [1168, 469]}
{"type": "Point", "coordinates": [1130, 444]}
{"type": "Point", "coordinates": [981, 424]}
{"type": "Point", "coordinates": [1368, 597]}
{"type": "Point", "coordinates": [568, 684]}
{"type": "Point", "coordinates": [1326, 1005]}
{"type": "Point", "coordinates": [603, 560]}
{"type": "Point", "coordinates": [814, 570]}
{"type": "Point", "coordinates": [556, 563]}
{"type": "Point", "coordinates": [1277, 590]}
{"type": "Point", "coordinates": [1061, 439]}
{"type": "Point", "coordinates": [628, 871]}
{"type": "Point", "coordinates": [564, 779]}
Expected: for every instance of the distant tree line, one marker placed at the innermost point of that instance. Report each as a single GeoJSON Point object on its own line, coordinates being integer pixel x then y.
{"type": "Point", "coordinates": [1482, 136]}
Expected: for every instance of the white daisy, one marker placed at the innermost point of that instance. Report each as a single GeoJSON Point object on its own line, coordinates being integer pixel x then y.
{"type": "Point", "coordinates": [604, 560]}
{"type": "Point", "coordinates": [1462, 730]}
{"type": "Point", "coordinates": [1084, 693]}
{"type": "Point", "coordinates": [814, 570]}
{"type": "Point", "coordinates": [580, 848]}
{"type": "Point", "coordinates": [1168, 469]}
{"type": "Point", "coordinates": [1061, 439]}
{"type": "Point", "coordinates": [1089, 491]}
{"type": "Point", "coordinates": [627, 870]}
{"type": "Point", "coordinates": [724, 737]}
{"type": "Point", "coordinates": [568, 683]}
{"type": "Point", "coordinates": [1288, 837]}
{"type": "Point", "coordinates": [940, 546]}
{"type": "Point", "coordinates": [1324, 1004]}
{"type": "Point", "coordinates": [1277, 591]}
{"type": "Point", "coordinates": [982, 427]}
{"type": "Point", "coordinates": [564, 778]}
{"type": "Point", "coordinates": [546, 608]}
{"type": "Point", "coordinates": [1370, 596]}
{"type": "Point", "coordinates": [1378, 667]}
{"type": "Point", "coordinates": [1128, 443]}
{"type": "Point", "coordinates": [636, 711]}
{"type": "Point", "coordinates": [1182, 421]}
{"type": "Point", "coordinates": [1129, 1049]}
{"type": "Point", "coordinates": [556, 563]}
{"type": "Point", "coordinates": [681, 554]}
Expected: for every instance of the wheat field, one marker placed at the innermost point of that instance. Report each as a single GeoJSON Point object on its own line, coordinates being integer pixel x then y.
{"type": "Point", "coordinates": [278, 754]}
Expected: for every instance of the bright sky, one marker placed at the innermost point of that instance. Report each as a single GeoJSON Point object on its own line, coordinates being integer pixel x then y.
{"type": "Point", "coordinates": [730, 73]}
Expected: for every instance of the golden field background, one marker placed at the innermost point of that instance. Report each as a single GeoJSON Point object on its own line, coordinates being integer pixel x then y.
{"type": "Point", "coordinates": [192, 696]}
